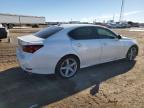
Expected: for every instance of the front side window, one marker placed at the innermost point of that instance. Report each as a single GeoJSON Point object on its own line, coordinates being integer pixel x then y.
{"type": "Point", "coordinates": [48, 32]}
{"type": "Point", "coordinates": [105, 34]}
{"type": "Point", "coordinates": [83, 33]}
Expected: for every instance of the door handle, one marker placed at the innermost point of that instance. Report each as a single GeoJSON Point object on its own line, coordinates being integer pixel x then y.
{"type": "Point", "coordinates": [78, 45]}
{"type": "Point", "coordinates": [105, 44]}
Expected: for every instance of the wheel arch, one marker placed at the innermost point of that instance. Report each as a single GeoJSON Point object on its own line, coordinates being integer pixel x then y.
{"type": "Point", "coordinates": [134, 45]}
{"type": "Point", "coordinates": [68, 55]}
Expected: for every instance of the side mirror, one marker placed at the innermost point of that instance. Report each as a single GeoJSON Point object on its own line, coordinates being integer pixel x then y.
{"type": "Point", "coordinates": [119, 37]}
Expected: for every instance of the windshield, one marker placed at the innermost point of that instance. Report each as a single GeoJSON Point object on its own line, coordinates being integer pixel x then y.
{"type": "Point", "coordinates": [45, 33]}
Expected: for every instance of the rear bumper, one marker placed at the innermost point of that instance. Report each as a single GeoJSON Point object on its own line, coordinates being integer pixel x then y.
{"type": "Point", "coordinates": [23, 62]}
{"type": "Point", "coordinates": [31, 65]}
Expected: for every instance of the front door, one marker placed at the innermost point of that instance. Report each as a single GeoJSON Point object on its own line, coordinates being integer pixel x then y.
{"type": "Point", "coordinates": [111, 45]}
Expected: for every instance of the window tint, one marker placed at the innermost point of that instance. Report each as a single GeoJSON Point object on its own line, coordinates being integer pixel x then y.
{"type": "Point", "coordinates": [105, 34]}
{"type": "Point", "coordinates": [48, 32]}
{"type": "Point", "coordinates": [83, 33]}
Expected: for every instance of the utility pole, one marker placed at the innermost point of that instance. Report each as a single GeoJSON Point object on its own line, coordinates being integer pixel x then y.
{"type": "Point", "coordinates": [122, 11]}
{"type": "Point", "coordinates": [113, 17]}
{"type": "Point", "coordinates": [94, 21]}
{"type": "Point", "coordinates": [20, 21]}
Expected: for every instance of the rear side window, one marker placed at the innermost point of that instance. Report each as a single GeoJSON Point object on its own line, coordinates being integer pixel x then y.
{"type": "Point", "coordinates": [48, 32]}
{"type": "Point", "coordinates": [83, 33]}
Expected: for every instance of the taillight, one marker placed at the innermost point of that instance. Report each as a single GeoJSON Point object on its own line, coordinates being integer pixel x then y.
{"type": "Point", "coordinates": [31, 48]}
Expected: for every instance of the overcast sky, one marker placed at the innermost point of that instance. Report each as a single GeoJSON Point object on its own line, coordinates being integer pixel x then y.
{"type": "Point", "coordinates": [83, 10]}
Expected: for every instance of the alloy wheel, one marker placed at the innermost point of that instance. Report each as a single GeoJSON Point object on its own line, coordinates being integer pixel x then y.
{"type": "Point", "coordinates": [68, 67]}
{"type": "Point", "coordinates": [132, 53]}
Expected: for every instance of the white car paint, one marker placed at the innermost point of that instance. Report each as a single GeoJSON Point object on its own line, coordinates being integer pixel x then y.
{"type": "Point", "coordinates": [89, 52]}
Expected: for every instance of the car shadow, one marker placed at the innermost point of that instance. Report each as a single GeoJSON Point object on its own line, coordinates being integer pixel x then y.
{"type": "Point", "coordinates": [20, 90]}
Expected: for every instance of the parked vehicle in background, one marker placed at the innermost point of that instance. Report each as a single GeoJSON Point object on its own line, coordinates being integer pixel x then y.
{"type": "Point", "coordinates": [11, 20]}
{"type": "Point", "coordinates": [3, 32]}
{"type": "Point", "coordinates": [118, 25]}
{"type": "Point", "coordinates": [63, 49]}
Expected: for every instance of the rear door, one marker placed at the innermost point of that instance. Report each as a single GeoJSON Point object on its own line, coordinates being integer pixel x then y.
{"type": "Point", "coordinates": [86, 44]}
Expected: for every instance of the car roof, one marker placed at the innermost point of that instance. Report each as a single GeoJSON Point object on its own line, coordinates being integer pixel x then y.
{"type": "Point", "coordinates": [78, 25]}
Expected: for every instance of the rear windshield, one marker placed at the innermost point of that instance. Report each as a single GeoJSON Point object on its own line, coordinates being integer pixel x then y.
{"type": "Point", "coordinates": [48, 32]}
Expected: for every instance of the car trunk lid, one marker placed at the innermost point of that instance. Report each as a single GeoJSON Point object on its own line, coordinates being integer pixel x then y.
{"type": "Point", "coordinates": [30, 40]}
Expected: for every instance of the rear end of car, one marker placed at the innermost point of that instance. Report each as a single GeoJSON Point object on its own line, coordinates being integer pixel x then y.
{"type": "Point", "coordinates": [26, 50]}
{"type": "Point", "coordinates": [31, 50]}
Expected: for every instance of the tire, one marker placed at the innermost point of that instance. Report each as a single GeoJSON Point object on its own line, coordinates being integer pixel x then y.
{"type": "Point", "coordinates": [132, 53]}
{"type": "Point", "coordinates": [10, 26]}
{"type": "Point", "coordinates": [35, 26]}
{"type": "Point", "coordinates": [67, 67]}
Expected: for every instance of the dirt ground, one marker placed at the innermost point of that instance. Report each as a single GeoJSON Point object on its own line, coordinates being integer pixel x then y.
{"type": "Point", "coordinates": [118, 84]}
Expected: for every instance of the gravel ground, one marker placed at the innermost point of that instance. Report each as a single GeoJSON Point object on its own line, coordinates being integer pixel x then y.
{"type": "Point", "coordinates": [118, 84]}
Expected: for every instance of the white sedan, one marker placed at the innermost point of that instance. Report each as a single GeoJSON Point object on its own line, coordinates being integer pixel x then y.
{"type": "Point", "coordinates": [64, 49]}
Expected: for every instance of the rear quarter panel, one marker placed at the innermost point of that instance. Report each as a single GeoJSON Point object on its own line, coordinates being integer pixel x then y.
{"type": "Point", "coordinates": [55, 47]}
